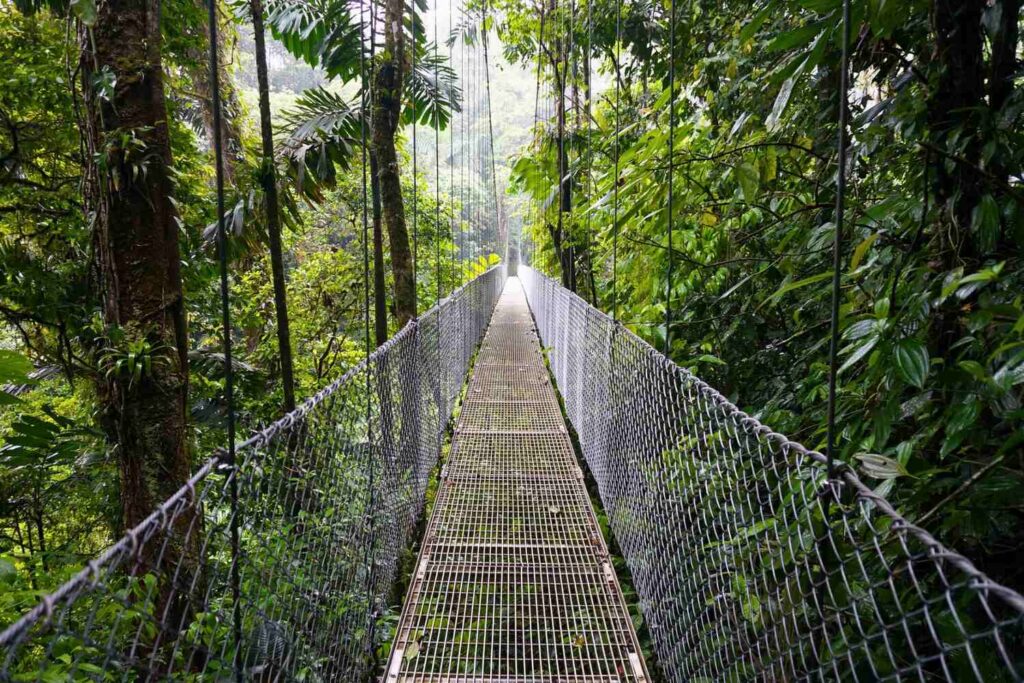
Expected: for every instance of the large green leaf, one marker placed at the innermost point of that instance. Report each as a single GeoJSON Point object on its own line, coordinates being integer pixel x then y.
{"type": "Point", "coordinates": [881, 467]}
{"type": "Point", "coordinates": [431, 91]}
{"type": "Point", "coordinates": [859, 352]}
{"type": "Point", "coordinates": [14, 367]}
{"type": "Point", "coordinates": [756, 22]}
{"type": "Point", "coordinates": [785, 289]}
{"type": "Point", "coordinates": [986, 223]}
{"type": "Point", "coordinates": [781, 100]}
{"type": "Point", "coordinates": [323, 33]}
{"type": "Point", "coordinates": [798, 37]}
{"type": "Point", "coordinates": [749, 179]}
{"type": "Point", "coordinates": [885, 16]}
{"type": "Point", "coordinates": [912, 362]}
{"type": "Point", "coordinates": [325, 131]}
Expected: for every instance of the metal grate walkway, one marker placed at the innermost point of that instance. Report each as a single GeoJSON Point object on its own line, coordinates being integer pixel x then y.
{"type": "Point", "coordinates": [514, 582]}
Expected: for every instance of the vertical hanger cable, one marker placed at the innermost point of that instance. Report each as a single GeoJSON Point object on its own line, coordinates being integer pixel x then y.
{"type": "Point", "coordinates": [225, 312]}
{"type": "Point", "coordinates": [671, 171]}
{"type": "Point", "coordinates": [837, 244]}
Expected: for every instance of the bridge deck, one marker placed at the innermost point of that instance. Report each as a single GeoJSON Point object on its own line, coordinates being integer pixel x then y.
{"type": "Point", "coordinates": [514, 582]}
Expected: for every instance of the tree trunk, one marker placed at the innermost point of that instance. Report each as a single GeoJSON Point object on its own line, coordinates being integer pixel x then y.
{"type": "Point", "coordinates": [1003, 68]}
{"type": "Point", "coordinates": [566, 257]}
{"type": "Point", "coordinates": [387, 108]}
{"type": "Point", "coordinates": [268, 178]}
{"type": "Point", "coordinates": [1004, 54]}
{"type": "Point", "coordinates": [954, 112]}
{"type": "Point", "coordinates": [380, 301]}
{"type": "Point", "coordinates": [499, 213]}
{"type": "Point", "coordinates": [136, 242]}
{"type": "Point", "coordinates": [40, 528]}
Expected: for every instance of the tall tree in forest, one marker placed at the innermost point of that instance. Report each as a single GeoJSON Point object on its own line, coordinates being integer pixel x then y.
{"type": "Point", "coordinates": [325, 126]}
{"type": "Point", "coordinates": [268, 179]}
{"type": "Point", "coordinates": [389, 74]}
{"type": "Point", "coordinates": [143, 383]}
{"type": "Point", "coordinates": [955, 114]}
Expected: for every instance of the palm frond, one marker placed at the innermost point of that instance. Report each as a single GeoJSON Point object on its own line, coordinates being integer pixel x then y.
{"type": "Point", "coordinates": [432, 91]}
{"type": "Point", "coordinates": [467, 28]}
{"type": "Point", "coordinates": [415, 29]}
{"type": "Point", "coordinates": [324, 130]}
{"type": "Point", "coordinates": [322, 33]}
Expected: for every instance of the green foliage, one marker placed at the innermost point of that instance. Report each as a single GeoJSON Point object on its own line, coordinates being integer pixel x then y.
{"type": "Point", "coordinates": [433, 94]}
{"type": "Point", "coordinates": [930, 387]}
{"type": "Point", "coordinates": [323, 33]}
{"type": "Point", "coordinates": [59, 484]}
{"type": "Point", "coordinates": [326, 130]}
{"type": "Point", "coordinates": [14, 370]}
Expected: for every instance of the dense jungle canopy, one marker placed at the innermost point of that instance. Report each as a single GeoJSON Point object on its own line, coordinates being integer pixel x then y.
{"type": "Point", "coordinates": [673, 162]}
{"type": "Point", "coordinates": [931, 357]}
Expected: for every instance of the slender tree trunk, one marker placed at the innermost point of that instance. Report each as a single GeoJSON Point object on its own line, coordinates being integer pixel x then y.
{"type": "Point", "coordinates": [389, 77]}
{"type": "Point", "coordinates": [565, 192]}
{"type": "Point", "coordinates": [1004, 54]}
{"type": "Point", "coordinates": [954, 111]}
{"type": "Point", "coordinates": [380, 301]}
{"type": "Point", "coordinates": [499, 213]}
{"type": "Point", "coordinates": [588, 114]}
{"type": "Point", "coordinates": [268, 178]}
{"type": "Point", "coordinates": [136, 242]}
{"type": "Point", "coordinates": [31, 549]}
{"type": "Point", "coordinates": [1003, 68]}
{"type": "Point", "coordinates": [37, 505]}
{"type": "Point", "coordinates": [563, 244]}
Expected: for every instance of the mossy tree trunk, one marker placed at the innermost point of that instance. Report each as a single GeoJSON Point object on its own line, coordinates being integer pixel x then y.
{"type": "Point", "coordinates": [389, 77]}
{"type": "Point", "coordinates": [129, 197]}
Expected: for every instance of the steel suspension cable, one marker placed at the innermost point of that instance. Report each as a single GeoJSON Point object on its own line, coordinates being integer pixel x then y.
{"type": "Point", "coordinates": [225, 312]}
{"type": "Point", "coordinates": [479, 162]}
{"type": "Point", "coordinates": [415, 198]}
{"type": "Point", "coordinates": [837, 243]}
{"type": "Point", "coordinates": [490, 131]}
{"type": "Point", "coordinates": [561, 84]}
{"type": "Point", "coordinates": [671, 170]}
{"type": "Point", "coordinates": [478, 159]}
{"type": "Point", "coordinates": [471, 155]}
{"type": "Point", "coordinates": [365, 97]}
{"type": "Point", "coordinates": [615, 178]}
{"type": "Point", "coordinates": [437, 163]}
{"type": "Point", "coordinates": [470, 150]}
{"type": "Point", "coordinates": [557, 118]}
{"type": "Point", "coordinates": [451, 149]}
{"type": "Point", "coordinates": [462, 163]}
{"type": "Point", "coordinates": [478, 151]}
{"type": "Point", "coordinates": [536, 119]}
{"type": "Point", "coordinates": [590, 152]}
{"type": "Point", "coordinates": [473, 159]}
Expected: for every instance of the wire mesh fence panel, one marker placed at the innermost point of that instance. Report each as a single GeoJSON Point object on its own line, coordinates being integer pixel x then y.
{"type": "Point", "coordinates": [749, 562]}
{"type": "Point", "coordinates": [328, 498]}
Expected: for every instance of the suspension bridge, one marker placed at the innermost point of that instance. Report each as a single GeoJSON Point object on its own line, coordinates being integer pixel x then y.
{"type": "Point", "coordinates": [752, 557]}
{"type": "Point", "coordinates": [750, 563]}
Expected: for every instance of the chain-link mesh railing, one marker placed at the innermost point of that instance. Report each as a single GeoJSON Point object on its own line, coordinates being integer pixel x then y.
{"type": "Point", "coordinates": [749, 563]}
{"type": "Point", "coordinates": [328, 497]}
